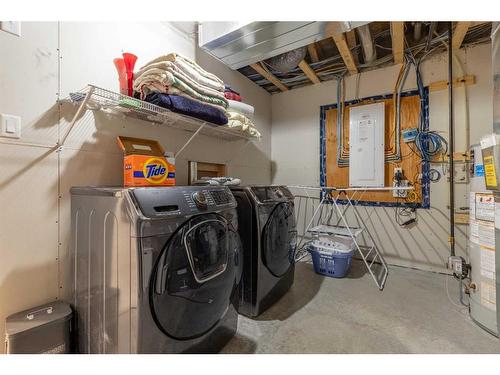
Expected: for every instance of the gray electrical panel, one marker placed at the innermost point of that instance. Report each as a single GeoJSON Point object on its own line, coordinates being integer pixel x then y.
{"type": "Point", "coordinates": [366, 145]}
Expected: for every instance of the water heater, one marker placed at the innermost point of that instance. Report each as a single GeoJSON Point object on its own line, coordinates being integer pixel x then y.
{"type": "Point", "coordinates": [482, 247]}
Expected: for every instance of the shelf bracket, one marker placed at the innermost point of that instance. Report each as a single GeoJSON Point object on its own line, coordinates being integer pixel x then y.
{"type": "Point", "coordinates": [75, 117]}
{"type": "Point", "coordinates": [190, 139]}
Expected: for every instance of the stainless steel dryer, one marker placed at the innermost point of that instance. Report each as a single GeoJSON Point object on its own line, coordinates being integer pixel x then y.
{"type": "Point", "coordinates": [268, 234]}
{"type": "Point", "coordinates": [155, 270]}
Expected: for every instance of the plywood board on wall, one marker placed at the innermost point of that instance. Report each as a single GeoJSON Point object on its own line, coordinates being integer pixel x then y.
{"type": "Point", "coordinates": [410, 163]}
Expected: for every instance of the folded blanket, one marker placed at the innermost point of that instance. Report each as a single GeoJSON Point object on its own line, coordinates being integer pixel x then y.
{"type": "Point", "coordinates": [243, 123]}
{"type": "Point", "coordinates": [193, 81]}
{"type": "Point", "coordinates": [232, 96]}
{"type": "Point", "coordinates": [188, 107]}
{"type": "Point", "coordinates": [191, 69]}
{"type": "Point", "coordinates": [156, 80]}
{"type": "Point", "coordinates": [240, 107]}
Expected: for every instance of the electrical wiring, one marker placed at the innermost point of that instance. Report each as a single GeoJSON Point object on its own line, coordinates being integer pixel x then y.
{"type": "Point", "coordinates": [434, 175]}
{"type": "Point", "coordinates": [401, 213]}
{"type": "Point", "coordinates": [391, 154]}
{"type": "Point", "coordinates": [411, 196]}
{"type": "Point", "coordinates": [333, 66]}
{"type": "Point", "coordinates": [430, 143]}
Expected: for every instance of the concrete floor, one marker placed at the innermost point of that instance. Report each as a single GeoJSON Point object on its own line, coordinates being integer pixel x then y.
{"type": "Point", "coordinates": [325, 315]}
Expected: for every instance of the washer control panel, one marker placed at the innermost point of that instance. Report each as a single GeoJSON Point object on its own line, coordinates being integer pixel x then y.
{"type": "Point", "coordinates": [199, 198]}
{"type": "Point", "coordinates": [209, 198]}
{"type": "Point", "coordinates": [182, 200]}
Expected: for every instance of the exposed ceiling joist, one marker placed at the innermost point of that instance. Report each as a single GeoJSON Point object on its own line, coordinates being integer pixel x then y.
{"type": "Point", "coordinates": [313, 52]}
{"type": "Point", "coordinates": [459, 34]}
{"type": "Point", "coordinates": [269, 76]}
{"type": "Point", "coordinates": [398, 42]}
{"type": "Point", "coordinates": [345, 52]}
{"type": "Point", "coordinates": [309, 72]}
{"type": "Point", "coordinates": [351, 38]}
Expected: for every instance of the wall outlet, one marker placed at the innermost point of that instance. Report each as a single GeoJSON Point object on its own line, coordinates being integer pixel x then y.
{"type": "Point", "coordinates": [11, 27]}
{"type": "Point", "coordinates": [10, 126]}
{"type": "Point", "coordinates": [400, 193]}
{"type": "Point", "coordinates": [458, 266]}
{"type": "Point", "coordinates": [409, 135]}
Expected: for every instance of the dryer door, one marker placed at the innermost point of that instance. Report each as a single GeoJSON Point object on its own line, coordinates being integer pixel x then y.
{"type": "Point", "coordinates": [195, 277]}
{"type": "Point", "coordinates": [279, 239]}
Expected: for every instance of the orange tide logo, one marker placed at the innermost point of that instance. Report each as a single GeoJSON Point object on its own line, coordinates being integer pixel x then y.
{"type": "Point", "coordinates": [155, 170]}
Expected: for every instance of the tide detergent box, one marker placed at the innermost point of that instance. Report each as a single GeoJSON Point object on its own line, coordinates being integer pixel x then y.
{"type": "Point", "coordinates": [144, 163]}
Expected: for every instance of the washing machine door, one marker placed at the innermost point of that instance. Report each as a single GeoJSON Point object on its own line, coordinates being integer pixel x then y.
{"type": "Point", "coordinates": [195, 277]}
{"type": "Point", "coordinates": [279, 239]}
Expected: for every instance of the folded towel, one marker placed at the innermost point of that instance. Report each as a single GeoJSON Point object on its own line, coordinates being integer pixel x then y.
{"type": "Point", "coordinates": [232, 96]}
{"type": "Point", "coordinates": [227, 181]}
{"type": "Point", "coordinates": [243, 123]}
{"type": "Point", "coordinates": [188, 107]}
{"type": "Point", "coordinates": [167, 82]}
{"type": "Point", "coordinates": [190, 68]}
{"type": "Point", "coordinates": [192, 81]}
{"type": "Point", "coordinates": [240, 107]}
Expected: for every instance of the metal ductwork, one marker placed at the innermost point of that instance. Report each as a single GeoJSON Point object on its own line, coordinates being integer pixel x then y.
{"type": "Point", "coordinates": [287, 61]}
{"type": "Point", "coordinates": [367, 45]}
{"type": "Point", "coordinates": [238, 44]}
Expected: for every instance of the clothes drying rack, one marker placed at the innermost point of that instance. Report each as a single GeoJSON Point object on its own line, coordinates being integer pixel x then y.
{"type": "Point", "coordinates": [330, 218]}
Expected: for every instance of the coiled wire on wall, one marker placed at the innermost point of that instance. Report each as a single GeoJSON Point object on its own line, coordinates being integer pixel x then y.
{"type": "Point", "coordinates": [428, 143]}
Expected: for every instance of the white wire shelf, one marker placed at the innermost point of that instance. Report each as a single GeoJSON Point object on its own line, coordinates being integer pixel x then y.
{"type": "Point", "coordinates": [121, 105]}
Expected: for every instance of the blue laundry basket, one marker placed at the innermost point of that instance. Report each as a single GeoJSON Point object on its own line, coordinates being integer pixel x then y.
{"type": "Point", "coordinates": [331, 263]}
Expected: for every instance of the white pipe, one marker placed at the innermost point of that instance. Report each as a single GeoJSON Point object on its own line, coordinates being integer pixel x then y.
{"type": "Point", "coordinates": [367, 45]}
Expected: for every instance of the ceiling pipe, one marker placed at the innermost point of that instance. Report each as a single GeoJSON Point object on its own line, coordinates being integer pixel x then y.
{"type": "Point", "coordinates": [417, 31]}
{"type": "Point", "coordinates": [365, 37]}
{"type": "Point", "coordinates": [430, 35]}
{"type": "Point", "coordinates": [451, 141]}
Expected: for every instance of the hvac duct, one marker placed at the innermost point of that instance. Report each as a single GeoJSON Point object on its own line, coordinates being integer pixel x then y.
{"type": "Point", "coordinates": [365, 37]}
{"type": "Point", "coordinates": [239, 44]}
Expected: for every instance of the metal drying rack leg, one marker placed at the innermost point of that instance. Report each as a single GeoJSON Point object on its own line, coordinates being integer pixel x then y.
{"type": "Point", "coordinates": [353, 232]}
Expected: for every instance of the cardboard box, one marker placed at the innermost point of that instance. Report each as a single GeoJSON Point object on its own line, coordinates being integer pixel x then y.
{"type": "Point", "coordinates": [144, 163]}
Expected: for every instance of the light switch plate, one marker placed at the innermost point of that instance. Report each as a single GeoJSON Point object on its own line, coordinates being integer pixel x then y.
{"type": "Point", "coordinates": [12, 27]}
{"type": "Point", "coordinates": [10, 126]}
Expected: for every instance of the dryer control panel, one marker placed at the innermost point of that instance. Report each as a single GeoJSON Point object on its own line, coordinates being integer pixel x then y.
{"type": "Point", "coordinates": [182, 200]}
